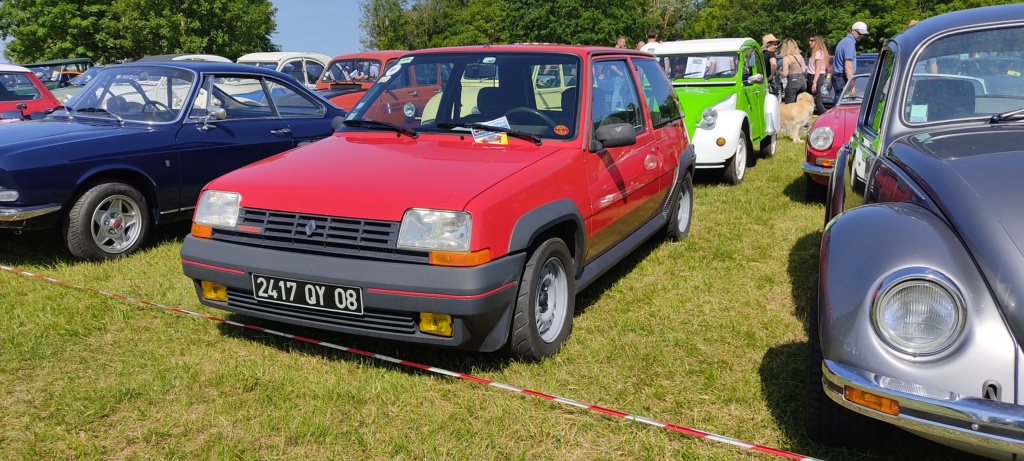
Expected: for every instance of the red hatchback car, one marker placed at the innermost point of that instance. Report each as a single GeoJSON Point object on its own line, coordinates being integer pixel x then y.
{"type": "Point", "coordinates": [472, 222]}
{"type": "Point", "coordinates": [21, 93]}
{"type": "Point", "coordinates": [828, 133]}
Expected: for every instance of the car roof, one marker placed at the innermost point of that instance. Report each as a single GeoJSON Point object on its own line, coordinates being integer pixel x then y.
{"type": "Point", "coordinates": [182, 57]}
{"type": "Point", "coordinates": [207, 66]}
{"type": "Point", "coordinates": [60, 61]}
{"type": "Point", "coordinates": [282, 55]}
{"type": "Point", "coordinates": [708, 45]}
{"type": "Point", "coordinates": [12, 68]}
{"type": "Point", "coordinates": [534, 47]}
{"type": "Point", "coordinates": [956, 21]}
{"type": "Point", "coordinates": [382, 55]}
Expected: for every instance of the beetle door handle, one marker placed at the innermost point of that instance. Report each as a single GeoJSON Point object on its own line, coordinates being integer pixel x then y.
{"type": "Point", "coordinates": [281, 131]}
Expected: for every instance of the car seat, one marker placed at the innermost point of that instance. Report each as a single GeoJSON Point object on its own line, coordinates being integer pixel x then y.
{"type": "Point", "coordinates": [946, 99]}
{"type": "Point", "coordinates": [491, 103]}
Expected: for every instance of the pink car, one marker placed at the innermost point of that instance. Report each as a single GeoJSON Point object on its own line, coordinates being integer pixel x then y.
{"type": "Point", "coordinates": [828, 133]}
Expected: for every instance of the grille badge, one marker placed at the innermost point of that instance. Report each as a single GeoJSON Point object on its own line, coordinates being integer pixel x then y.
{"type": "Point", "coordinates": [310, 228]}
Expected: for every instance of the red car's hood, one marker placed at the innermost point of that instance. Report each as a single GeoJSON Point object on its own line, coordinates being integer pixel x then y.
{"type": "Point", "coordinates": [842, 120]}
{"type": "Point", "coordinates": [378, 175]}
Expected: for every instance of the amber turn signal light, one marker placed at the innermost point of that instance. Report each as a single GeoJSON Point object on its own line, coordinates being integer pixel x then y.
{"type": "Point", "coordinates": [872, 401]}
{"type": "Point", "coordinates": [448, 258]}
{"type": "Point", "coordinates": [201, 231]}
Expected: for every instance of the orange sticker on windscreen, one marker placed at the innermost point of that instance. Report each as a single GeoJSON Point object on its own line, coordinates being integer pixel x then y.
{"type": "Point", "coordinates": [561, 130]}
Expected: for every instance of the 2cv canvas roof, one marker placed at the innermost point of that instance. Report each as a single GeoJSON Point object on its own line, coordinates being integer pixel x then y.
{"type": "Point", "coordinates": [710, 45]}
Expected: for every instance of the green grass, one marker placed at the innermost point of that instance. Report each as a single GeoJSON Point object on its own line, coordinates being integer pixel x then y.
{"type": "Point", "coordinates": [707, 333]}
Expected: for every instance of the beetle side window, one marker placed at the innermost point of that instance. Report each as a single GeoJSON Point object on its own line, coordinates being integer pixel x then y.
{"type": "Point", "coordinates": [615, 99]}
{"type": "Point", "coordinates": [661, 100]}
{"type": "Point", "coordinates": [875, 113]}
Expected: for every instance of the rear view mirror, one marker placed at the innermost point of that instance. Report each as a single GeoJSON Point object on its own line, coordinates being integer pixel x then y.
{"type": "Point", "coordinates": [215, 113]}
{"type": "Point", "coordinates": [614, 135]}
{"type": "Point", "coordinates": [481, 71]}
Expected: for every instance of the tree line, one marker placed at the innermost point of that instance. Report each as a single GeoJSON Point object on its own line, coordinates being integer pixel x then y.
{"type": "Point", "coordinates": [415, 24]}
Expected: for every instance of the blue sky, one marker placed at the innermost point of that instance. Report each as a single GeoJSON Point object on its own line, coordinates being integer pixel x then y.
{"type": "Point", "coordinates": [330, 27]}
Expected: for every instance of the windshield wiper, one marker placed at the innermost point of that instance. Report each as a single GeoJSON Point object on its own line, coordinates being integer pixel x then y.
{"type": "Point", "coordinates": [480, 126]}
{"type": "Point", "coordinates": [374, 124]}
{"type": "Point", "coordinates": [1013, 114]}
{"type": "Point", "coordinates": [101, 111]}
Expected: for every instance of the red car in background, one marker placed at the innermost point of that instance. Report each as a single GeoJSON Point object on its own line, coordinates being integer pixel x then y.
{"type": "Point", "coordinates": [828, 133]}
{"type": "Point", "coordinates": [348, 76]}
{"type": "Point", "coordinates": [21, 93]}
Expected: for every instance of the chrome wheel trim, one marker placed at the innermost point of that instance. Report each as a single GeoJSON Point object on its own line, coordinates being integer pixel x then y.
{"type": "Point", "coordinates": [116, 224]}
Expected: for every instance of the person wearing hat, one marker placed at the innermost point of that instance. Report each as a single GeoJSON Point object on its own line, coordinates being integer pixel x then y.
{"type": "Point", "coordinates": [769, 44]}
{"type": "Point", "coordinates": [846, 57]}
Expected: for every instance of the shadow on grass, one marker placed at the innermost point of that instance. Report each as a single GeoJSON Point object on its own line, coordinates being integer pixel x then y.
{"type": "Point", "coordinates": [783, 377]}
{"type": "Point", "coordinates": [46, 247]}
{"type": "Point", "coordinates": [468, 362]}
{"type": "Point", "coordinates": [803, 271]}
{"type": "Point", "coordinates": [795, 190]}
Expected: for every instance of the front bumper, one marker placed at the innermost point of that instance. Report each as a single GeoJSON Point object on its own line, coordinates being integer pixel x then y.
{"type": "Point", "coordinates": [480, 299]}
{"type": "Point", "coordinates": [18, 218]}
{"type": "Point", "coordinates": [944, 415]}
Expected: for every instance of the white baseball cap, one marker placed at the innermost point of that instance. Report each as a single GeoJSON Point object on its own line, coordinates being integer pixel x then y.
{"type": "Point", "coordinates": [860, 27]}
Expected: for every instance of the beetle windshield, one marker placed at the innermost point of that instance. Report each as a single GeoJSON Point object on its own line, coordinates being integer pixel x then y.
{"type": "Point", "coordinates": [853, 93]}
{"type": "Point", "coordinates": [531, 93]}
{"type": "Point", "coordinates": [134, 93]}
{"type": "Point", "coordinates": [699, 66]}
{"type": "Point", "coordinates": [967, 75]}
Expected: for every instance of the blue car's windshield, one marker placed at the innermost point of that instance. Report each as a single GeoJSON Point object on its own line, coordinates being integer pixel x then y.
{"type": "Point", "coordinates": [134, 93]}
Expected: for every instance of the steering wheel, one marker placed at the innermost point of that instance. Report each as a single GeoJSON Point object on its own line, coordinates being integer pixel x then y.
{"type": "Point", "coordinates": [532, 112]}
{"type": "Point", "coordinates": [165, 112]}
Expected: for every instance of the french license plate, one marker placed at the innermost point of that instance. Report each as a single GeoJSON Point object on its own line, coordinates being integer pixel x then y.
{"type": "Point", "coordinates": [348, 300]}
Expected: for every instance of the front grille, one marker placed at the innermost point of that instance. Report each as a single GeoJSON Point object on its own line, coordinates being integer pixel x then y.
{"type": "Point", "coordinates": [371, 320]}
{"type": "Point", "coordinates": [327, 235]}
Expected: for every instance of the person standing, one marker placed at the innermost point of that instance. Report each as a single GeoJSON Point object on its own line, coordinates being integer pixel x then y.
{"type": "Point", "coordinates": [846, 57]}
{"type": "Point", "coordinates": [793, 69]}
{"type": "Point", "coordinates": [817, 68]}
{"type": "Point", "coordinates": [769, 45]}
{"type": "Point", "coordinates": [652, 41]}
{"type": "Point", "coordinates": [620, 42]}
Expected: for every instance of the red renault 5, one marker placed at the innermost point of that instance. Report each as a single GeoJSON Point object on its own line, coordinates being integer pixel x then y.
{"type": "Point", "coordinates": [470, 222]}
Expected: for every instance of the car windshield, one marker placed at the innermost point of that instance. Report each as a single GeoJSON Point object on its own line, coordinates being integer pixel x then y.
{"type": "Point", "coordinates": [701, 65]}
{"type": "Point", "coordinates": [971, 74]}
{"type": "Point", "coordinates": [352, 70]}
{"type": "Point", "coordinates": [853, 93]}
{"type": "Point", "coordinates": [265, 65]}
{"type": "Point", "coordinates": [134, 93]}
{"type": "Point", "coordinates": [532, 93]}
{"type": "Point", "coordinates": [84, 78]}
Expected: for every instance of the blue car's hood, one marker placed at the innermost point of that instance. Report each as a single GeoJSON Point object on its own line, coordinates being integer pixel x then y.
{"type": "Point", "coordinates": [56, 131]}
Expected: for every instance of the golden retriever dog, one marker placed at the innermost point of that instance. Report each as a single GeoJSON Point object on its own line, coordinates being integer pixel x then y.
{"type": "Point", "coordinates": [797, 115]}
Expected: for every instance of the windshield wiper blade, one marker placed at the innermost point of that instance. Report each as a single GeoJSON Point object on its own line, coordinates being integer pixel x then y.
{"type": "Point", "coordinates": [101, 111]}
{"type": "Point", "coordinates": [1006, 116]}
{"type": "Point", "coordinates": [480, 126]}
{"type": "Point", "coordinates": [374, 124]}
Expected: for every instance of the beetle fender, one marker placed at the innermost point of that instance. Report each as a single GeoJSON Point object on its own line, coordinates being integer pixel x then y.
{"type": "Point", "coordinates": [863, 246]}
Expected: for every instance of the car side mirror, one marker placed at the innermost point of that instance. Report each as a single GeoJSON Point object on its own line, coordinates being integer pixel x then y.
{"type": "Point", "coordinates": [756, 78]}
{"type": "Point", "coordinates": [21, 106]}
{"type": "Point", "coordinates": [614, 135]}
{"type": "Point", "coordinates": [215, 113]}
{"type": "Point", "coordinates": [337, 122]}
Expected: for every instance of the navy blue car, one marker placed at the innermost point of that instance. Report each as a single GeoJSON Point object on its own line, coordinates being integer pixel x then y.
{"type": "Point", "coordinates": [136, 145]}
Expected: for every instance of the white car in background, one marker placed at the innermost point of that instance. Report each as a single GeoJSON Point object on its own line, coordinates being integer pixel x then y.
{"type": "Point", "coordinates": [305, 67]}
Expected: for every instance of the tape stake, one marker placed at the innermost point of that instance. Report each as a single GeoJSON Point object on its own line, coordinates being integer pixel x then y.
{"type": "Point", "coordinates": [441, 371]}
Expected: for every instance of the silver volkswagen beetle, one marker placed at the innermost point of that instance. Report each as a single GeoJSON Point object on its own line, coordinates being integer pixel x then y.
{"type": "Point", "coordinates": [919, 315]}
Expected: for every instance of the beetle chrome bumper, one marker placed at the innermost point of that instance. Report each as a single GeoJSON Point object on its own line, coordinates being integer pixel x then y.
{"type": "Point", "coordinates": [817, 170]}
{"type": "Point", "coordinates": [944, 414]}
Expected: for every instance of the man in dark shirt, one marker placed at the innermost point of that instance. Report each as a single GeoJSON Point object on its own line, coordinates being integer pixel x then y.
{"type": "Point", "coordinates": [769, 44]}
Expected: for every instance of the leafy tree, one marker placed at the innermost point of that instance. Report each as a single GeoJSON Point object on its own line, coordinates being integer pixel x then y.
{"type": "Point", "coordinates": [115, 30]}
{"type": "Point", "coordinates": [384, 22]}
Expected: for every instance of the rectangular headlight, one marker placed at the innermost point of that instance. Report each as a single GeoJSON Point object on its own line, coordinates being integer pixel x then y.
{"type": "Point", "coordinates": [218, 209]}
{"type": "Point", "coordinates": [435, 230]}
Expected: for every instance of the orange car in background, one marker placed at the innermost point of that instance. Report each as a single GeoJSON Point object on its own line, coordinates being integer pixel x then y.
{"type": "Point", "coordinates": [348, 76]}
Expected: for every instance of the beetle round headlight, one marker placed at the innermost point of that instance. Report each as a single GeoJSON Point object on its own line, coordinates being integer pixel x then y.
{"type": "Point", "coordinates": [821, 138]}
{"type": "Point", "coordinates": [918, 311]}
{"type": "Point", "coordinates": [709, 115]}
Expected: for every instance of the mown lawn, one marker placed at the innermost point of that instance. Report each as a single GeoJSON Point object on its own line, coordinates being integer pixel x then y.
{"type": "Point", "coordinates": [708, 333]}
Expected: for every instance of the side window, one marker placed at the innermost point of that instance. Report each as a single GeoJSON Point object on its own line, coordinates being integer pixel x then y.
{"type": "Point", "coordinates": [313, 71]}
{"type": "Point", "coordinates": [547, 77]}
{"type": "Point", "coordinates": [426, 74]}
{"type": "Point", "coordinates": [615, 98]}
{"type": "Point", "coordinates": [290, 103]}
{"type": "Point", "coordinates": [294, 68]}
{"type": "Point", "coordinates": [240, 96]}
{"type": "Point", "coordinates": [874, 114]}
{"type": "Point", "coordinates": [17, 87]}
{"type": "Point", "coordinates": [751, 62]}
{"type": "Point", "coordinates": [661, 100]}
{"type": "Point", "coordinates": [400, 78]}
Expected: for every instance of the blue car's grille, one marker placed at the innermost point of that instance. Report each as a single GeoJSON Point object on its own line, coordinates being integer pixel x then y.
{"type": "Point", "coordinates": [320, 234]}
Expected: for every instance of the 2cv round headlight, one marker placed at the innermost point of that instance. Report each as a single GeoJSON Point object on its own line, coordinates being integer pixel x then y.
{"type": "Point", "coordinates": [918, 311]}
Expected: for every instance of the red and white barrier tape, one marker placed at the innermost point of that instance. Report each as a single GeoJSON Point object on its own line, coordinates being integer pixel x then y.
{"type": "Point", "coordinates": [441, 371]}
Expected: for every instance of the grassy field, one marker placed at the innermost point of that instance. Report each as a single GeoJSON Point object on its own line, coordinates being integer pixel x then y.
{"type": "Point", "coordinates": [708, 333]}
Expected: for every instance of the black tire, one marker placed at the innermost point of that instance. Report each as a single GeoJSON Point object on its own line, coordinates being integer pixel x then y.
{"type": "Point", "coordinates": [768, 146]}
{"type": "Point", "coordinates": [736, 167]}
{"type": "Point", "coordinates": [826, 421]}
{"type": "Point", "coordinates": [814, 192]}
{"type": "Point", "coordinates": [680, 210]}
{"type": "Point", "coordinates": [547, 300]}
{"type": "Point", "coordinates": [108, 221]}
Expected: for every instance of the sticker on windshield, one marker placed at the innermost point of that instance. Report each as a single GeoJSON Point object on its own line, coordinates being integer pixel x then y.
{"type": "Point", "coordinates": [394, 69]}
{"type": "Point", "coordinates": [489, 60]}
{"type": "Point", "coordinates": [405, 60]}
{"type": "Point", "coordinates": [918, 113]}
{"type": "Point", "coordinates": [561, 130]}
{"type": "Point", "coordinates": [384, 78]}
{"type": "Point", "coordinates": [492, 137]}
